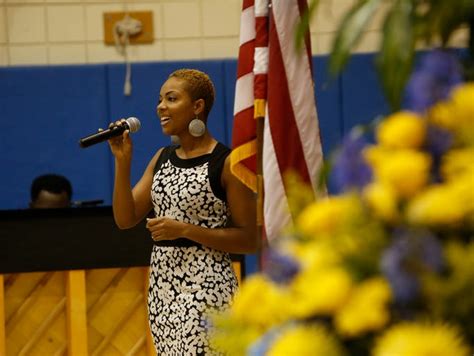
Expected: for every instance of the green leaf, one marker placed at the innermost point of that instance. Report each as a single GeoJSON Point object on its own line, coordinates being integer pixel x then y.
{"type": "Point", "coordinates": [350, 32]}
{"type": "Point", "coordinates": [395, 60]}
{"type": "Point", "coordinates": [441, 18]}
{"type": "Point", "coordinates": [303, 25]}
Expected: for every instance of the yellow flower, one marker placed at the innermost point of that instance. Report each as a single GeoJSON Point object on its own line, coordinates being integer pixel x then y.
{"type": "Point", "coordinates": [299, 193]}
{"type": "Point", "coordinates": [410, 339]}
{"type": "Point", "coordinates": [463, 107]}
{"type": "Point", "coordinates": [306, 340]}
{"type": "Point", "coordinates": [462, 97]}
{"type": "Point", "coordinates": [450, 295]}
{"type": "Point", "coordinates": [317, 291]}
{"type": "Point", "coordinates": [441, 114]}
{"type": "Point", "coordinates": [325, 216]}
{"type": "Point", "coordinates": [268, 310]}
{"type": "Point", "coordinates": [444, 204]}
{"type": "Point", "coordinates": [401, 130]}
{"type": "Point", "coordinates": [315, 254]}
{"type": "Point", "coordinates": [230, 336]}
{"type": "Point", "coordinates": [405, 171]}
{"type": "Point", "coordinates": [458, 162]}
{"type": "Point", "coordinates": [376, 155]}
{"type": "Point", "coordinates": [366, 309]}
{"type": "Point", "coordinates": [457, 114]}
{"type": "Point", "coordinates": [382, 200]}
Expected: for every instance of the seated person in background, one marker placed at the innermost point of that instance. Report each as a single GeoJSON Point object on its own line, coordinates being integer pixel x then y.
{"type": "Point", "coordinates": [50, 191]}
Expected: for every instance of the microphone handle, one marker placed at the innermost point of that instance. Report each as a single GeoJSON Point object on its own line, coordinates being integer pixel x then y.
{"type": "Point", "coordinates": [102, 136]}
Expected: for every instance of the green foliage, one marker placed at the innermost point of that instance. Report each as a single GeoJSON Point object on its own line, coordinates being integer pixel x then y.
{"type": "Point", "coordinates": [406, 24]}
{"type": "Point", "coordinates": [302, 28]}
{"type": "Point", "coordinates": [395, 59]}
{"type": "Point", "coordinates": [350, 32]}
{"type": "Point", "coordinates": [446, 294]}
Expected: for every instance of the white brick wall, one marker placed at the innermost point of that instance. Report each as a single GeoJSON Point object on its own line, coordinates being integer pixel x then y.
{"type": "Point", "coordinates": [71, 31]}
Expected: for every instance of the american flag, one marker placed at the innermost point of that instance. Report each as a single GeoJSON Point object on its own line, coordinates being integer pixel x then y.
{"type": "Point", "coordinates": [274, 79]}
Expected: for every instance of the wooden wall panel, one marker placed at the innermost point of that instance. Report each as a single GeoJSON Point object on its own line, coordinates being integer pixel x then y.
{"type": "Point", "coordinates": [35, 320]}
{"type": "Point", "coordinates": [77, 312]}
{"type": "Point", "coordinates": [2, 316]}
{"type": "Point", "coordinates": [116, 311]}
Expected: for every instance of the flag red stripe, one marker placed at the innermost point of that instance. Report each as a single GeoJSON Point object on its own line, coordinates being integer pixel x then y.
{"type": "Point", "coordinates": [250, 163]}
{"type": "Point", "coordinates": [245, 64]}
{"type": "Point", "coordinates": [260, 86]}
{"type": "Point", "coordinates": [244, 127]}
{"type": "Point", "coordinates": [261, 26]}
{"type": "Point", "coordinates": [285, 134]}
{"type": "Point", "coordinates": [247, 3]}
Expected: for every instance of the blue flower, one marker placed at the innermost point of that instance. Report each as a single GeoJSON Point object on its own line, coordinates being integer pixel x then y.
{"type": "Point", "coordinates": [278, 267]}
{"type": "Point", "coordinates": [438, 142]}
{"type": "Point", "coordinates": [439, 72]}
{"type": "Point", "coordinates": [262, 345]}
{"type": "Point", "coordinates": [411, 253]}
{"type": "Point", "coordinates": [350, 169]}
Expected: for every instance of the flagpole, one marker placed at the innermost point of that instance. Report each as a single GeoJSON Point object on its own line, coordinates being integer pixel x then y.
{"type": "Point", "coordinates": [262, 14]}
{"type": "Point", "coordinates": [259, 115]}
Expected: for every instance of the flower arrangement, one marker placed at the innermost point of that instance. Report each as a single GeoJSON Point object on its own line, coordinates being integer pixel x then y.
{"type": "Point", "coordinates": [385, 267]}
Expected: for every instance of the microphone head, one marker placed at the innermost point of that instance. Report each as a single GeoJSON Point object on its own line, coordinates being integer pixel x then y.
{"type": "Point", "coordinates": [133, 124]}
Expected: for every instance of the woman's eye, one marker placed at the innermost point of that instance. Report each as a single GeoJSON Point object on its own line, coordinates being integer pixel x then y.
{"type": "Point", "coordinates": [171, 98]}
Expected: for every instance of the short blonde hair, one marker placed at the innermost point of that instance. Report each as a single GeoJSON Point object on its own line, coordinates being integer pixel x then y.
{"type": "Point", "coordinates": [198, 85]}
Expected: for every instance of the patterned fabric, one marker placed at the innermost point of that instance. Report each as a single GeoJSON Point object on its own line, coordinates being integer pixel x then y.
{"type": "Point", "coordinates": [188, 282]}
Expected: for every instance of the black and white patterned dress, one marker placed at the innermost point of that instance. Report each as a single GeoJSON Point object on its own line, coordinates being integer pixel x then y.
{"type": "Point", "coordinates": [188, 280]}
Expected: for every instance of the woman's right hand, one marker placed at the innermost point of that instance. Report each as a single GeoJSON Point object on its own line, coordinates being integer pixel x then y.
{"type": "Point", "coordinates": [121, 146]}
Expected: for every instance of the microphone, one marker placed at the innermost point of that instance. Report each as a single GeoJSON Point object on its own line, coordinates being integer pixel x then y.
{"type": "Point", "coordinates": [132, 124]}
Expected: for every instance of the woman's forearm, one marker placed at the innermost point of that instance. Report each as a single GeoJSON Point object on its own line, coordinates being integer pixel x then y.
{"type": "Point", "coordinates": [232, 239]}
{"type": "Point", "coordinates": [123, 202]}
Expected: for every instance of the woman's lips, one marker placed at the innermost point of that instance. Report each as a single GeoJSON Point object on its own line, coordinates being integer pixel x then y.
{"type": "Point", "coordinates": [165, 120]}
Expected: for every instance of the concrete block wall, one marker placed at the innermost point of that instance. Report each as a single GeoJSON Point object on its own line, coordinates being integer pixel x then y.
{"type": "Point", "coordinates": [42, 32]}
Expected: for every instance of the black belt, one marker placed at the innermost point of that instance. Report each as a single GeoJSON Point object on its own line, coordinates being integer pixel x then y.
{"type": "Point", "coordinates": [180, 242]}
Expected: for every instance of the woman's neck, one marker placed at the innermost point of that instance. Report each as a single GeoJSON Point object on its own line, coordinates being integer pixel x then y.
{"type": "Point", "coordinates": [191, 147]}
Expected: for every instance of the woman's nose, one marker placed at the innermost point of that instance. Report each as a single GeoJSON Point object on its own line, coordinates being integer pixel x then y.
{"type": "Point", "coordinates": [159, 107]}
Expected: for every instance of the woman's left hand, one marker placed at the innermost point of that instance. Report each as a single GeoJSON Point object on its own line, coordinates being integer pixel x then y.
{"type": "Point", "coordinates": [165, 228]}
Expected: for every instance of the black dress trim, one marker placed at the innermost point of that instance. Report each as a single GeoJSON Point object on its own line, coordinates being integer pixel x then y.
{"type": "Point", "coordinates": [216, 166]}
{"type": "Point", "coordinates": [216, 161]}
{"type": "Point", "coordinates": [179, 242]}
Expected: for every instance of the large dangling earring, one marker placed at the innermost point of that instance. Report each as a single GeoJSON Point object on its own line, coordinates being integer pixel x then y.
{"type": "Point", "coordinates": [197, 127]}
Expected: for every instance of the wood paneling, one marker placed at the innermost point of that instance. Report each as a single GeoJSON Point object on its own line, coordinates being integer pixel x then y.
{"type": "Point", "coordinates": [77, 312]}
{"type": "Point", "coordinates": [2, 318]}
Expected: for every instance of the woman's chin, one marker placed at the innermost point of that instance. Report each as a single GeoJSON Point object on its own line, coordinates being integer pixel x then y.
{"type": "Point", "coordinates": [166, 131]}
{"type": "Point", "coordinates": [174, 138]}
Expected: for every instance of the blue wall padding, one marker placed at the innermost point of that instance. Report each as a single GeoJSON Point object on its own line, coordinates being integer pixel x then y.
{"type": "Point", "coordinates": [327, 89]}
{"type": "Point", "coordinates": [362, 98]}
{"type": "Point", "coordinates": [230, 68]}
{"type": "Point", "coordinates": [46, 110]}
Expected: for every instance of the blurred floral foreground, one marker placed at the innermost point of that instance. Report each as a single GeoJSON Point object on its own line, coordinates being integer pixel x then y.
{"type": "Point", "coordinates": [385, 267]}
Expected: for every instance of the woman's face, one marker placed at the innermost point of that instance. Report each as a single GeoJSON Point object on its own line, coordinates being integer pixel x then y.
{"type": "Point", "coordinates": [175, 107]}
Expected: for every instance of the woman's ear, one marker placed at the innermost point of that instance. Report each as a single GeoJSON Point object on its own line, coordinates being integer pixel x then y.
{"type": "Point", "coordinates": [199, 106]}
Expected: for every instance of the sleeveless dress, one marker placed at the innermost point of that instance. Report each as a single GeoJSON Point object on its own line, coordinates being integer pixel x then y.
{"type": "Point", "coordinates": [188, 280]}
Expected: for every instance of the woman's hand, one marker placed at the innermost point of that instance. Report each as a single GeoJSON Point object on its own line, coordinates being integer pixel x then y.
{"type": "Point", "coordinates": [121, 146]}
{"type": "Point", "coordinates": [165, 228]}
